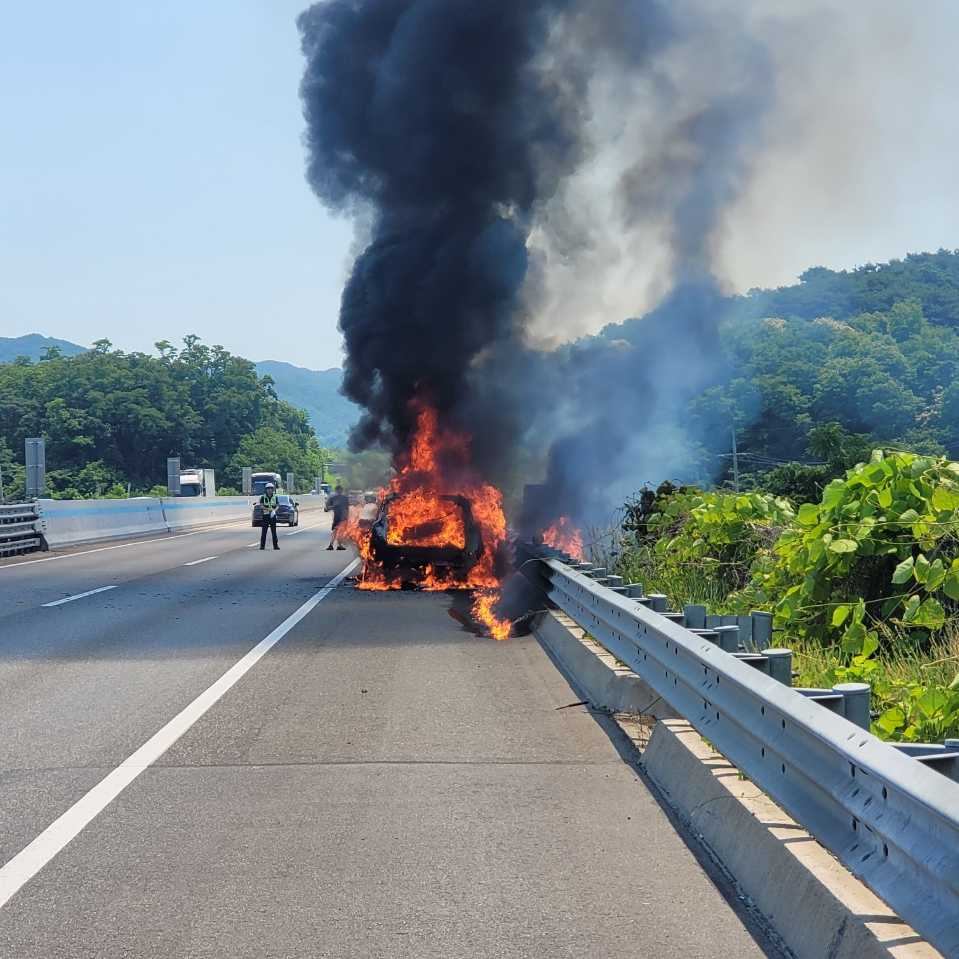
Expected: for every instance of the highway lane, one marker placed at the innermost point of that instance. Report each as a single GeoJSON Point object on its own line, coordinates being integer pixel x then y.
{"type": "Point", "coordinates": [39, 578]}
{"type": "Point", "coordinates": [83, 685]}
{"type": "Point", "coordinates": [382, 783]}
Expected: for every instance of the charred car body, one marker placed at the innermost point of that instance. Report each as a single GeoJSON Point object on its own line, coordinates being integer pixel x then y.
{"type": "Point", "coordinates": [409, 555]}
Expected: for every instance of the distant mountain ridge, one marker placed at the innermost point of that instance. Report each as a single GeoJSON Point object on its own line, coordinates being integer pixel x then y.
{"type": "Point", "coordinates": [331, 414]}
{"type": "Point", "coordinates": [32, 345]}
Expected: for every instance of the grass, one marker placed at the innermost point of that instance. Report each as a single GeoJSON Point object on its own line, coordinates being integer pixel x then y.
{"type": "Point", "coordinates": [900, 663]}
{"type": "Point", "coordinates": [687, 584]}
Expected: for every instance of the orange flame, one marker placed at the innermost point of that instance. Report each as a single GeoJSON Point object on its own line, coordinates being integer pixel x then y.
{"type": "Point", "coordinates": [564, 536]}
{"type": "Point", "coordinates": [423, 517]}
{"type": "Point", "coordinates": [437, 466]}
{"type": "Point", "coordinates": [483, 610]}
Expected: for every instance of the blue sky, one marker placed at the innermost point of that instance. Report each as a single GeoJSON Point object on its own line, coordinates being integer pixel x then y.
{"type": "Point", "coordinates": [152, 185]}
{"type": "Point", "coordinates": [151, 179]}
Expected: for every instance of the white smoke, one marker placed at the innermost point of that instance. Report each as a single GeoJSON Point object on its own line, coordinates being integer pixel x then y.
{"type": "Point", "coordinates": [853, 154]}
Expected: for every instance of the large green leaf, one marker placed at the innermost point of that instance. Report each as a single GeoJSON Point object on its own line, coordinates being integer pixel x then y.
{"type": "Point", "coordinates": [930, 614]}
{"type": "Point", "coordinates": [903, 571]}
{"type": "Point", "coordinates": [840, 614]}
{"type": "Point", "coordinates": [853, 638]}
{"type": "Point", "coordinates": [891, 720]}
{"type": "Point", "coordinates": [935, 576]}
{"type": "Point", "coordinates": [912, 607]}
{"type": "Point", "coordinates": [808, 515]}
{"type": "Point", "coordinates": [833, 493]}
{"type": "Point", "coordinates": [843, 546]}
{"type": "Point", "coordinates": [945, 499]}
{"type": "Point", "coordinates": [932, 701]}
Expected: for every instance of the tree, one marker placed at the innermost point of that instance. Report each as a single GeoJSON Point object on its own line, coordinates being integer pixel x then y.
{"type": "Point", "coordinates": [277, 451]}
{"type": "Point", "coordinates": [125, 413]}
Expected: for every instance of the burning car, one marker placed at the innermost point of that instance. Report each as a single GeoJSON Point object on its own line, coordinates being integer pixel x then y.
{"type": "Point", "coordinates": [438, 525]}
{"type": "Point", "coordinates": [422, 536]}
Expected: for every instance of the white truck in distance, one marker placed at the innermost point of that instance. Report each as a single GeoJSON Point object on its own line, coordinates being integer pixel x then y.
{"type": "Point", "coordinates": [197, 482]}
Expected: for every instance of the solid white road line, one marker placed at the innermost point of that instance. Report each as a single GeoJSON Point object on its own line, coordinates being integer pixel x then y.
{"type": "Point", "coordinates": [70, 599]}
{"type": "Point", "coordinates": [196, 562]}
{"type": "Point", "coordinates": [32, 858]}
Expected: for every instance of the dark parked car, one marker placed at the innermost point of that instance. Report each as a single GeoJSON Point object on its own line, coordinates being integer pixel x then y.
{"type": "Point", "coordinates": [287, 512]}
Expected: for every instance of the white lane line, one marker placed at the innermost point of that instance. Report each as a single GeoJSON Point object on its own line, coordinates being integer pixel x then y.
{"type": "Point", "coordinates": [206, 559]}
{"type": "Point", "coordinates": [16, 873]}
{"type": "Point", "coordinates": [70, 599]}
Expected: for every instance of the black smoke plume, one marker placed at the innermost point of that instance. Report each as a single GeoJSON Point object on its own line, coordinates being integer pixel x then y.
{"type": "Point", "coordinates": [436, 118]}
{"type": "Point", "coordinates": [452, 126]}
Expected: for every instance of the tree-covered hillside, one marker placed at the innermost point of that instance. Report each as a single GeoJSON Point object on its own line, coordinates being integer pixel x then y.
{"type": "Point", "coordinates": [816, 373]}
{"type": "Point", "coordinates": [930, 278]}
{"type": "Point", "coordinates": [317, 393]}
{"type": "Point", "coordinates": [112, 418]}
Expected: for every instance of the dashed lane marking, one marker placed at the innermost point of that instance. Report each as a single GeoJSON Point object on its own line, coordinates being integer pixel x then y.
{"type": "Point", "coordinates": [16, 873]}
{"type": "Point", "coordinates": [70, 599]}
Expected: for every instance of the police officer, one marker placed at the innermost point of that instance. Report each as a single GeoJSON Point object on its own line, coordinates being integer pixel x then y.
{"type": "Point", "coordinates": [268, 504]}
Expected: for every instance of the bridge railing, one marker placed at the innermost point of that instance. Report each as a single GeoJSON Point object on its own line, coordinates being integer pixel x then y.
{"type": "Point", "coordinates": [892, 821]}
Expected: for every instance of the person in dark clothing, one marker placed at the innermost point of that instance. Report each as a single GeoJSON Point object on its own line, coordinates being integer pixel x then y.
{"type": "Point", "coordinates": [268, 505]}
{"type": "Point", "coordinates": [339, 504]}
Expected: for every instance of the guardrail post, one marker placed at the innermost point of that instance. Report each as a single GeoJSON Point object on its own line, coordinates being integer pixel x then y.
{"type": "Point", "coordinates": [781, 665]}
{"type": "Point", "coordinates": [659, 602]}
{"type": "Point", "coordinates": [855, 702]}
{"type": "Point", "coordinates": [762, 629]}
{"type": "Point", "coordinates": [728, 638]}
{"type": "Point", "coordinates": [635, 590]}
{"type": "Point", "coordinates": [745, 624]}
{"type": "Point", "coordinates": [695, 616]}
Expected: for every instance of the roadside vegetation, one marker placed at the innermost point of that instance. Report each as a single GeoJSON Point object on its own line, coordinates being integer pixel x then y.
{"type": "Point", "coordinates": [863, 583]}
{"type": "Point", "coordinates": [111, 419]}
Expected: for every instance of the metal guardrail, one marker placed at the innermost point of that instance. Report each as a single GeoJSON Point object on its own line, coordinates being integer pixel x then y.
{"type": "Point", "coordinates": [20, 529]}
{"type": "Point", "coordinates": [892, 821]}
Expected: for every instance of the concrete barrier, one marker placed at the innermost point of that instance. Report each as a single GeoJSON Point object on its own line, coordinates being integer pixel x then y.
{"type": "Point", "coordinates": [605, 682]}
{"type": "Point", "coordinates": [73, 522]}
{"type": "Point", "coordinates": [310, 502]}
{"type": "Point", "coordinates": [189, 512]}
{"type": "Point", "coordinates": [813, 904]}
{"type": "Point", "coordinates": [69, 522]}
{"type": "Point", "coordinates": [193, 513]}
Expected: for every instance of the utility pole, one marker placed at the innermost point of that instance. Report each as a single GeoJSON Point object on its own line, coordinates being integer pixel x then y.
{"type": "Point", "coordinates": [735, 461]}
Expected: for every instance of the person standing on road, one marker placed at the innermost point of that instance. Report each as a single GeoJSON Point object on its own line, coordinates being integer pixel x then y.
{"type": "Point", "coordinates": [340, 507]}
{"type": "Point", "coordinates": [268, 505]}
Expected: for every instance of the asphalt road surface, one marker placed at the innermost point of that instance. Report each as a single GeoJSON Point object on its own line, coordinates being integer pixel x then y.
{"type": "Point", "coordinates": [204, 753]}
